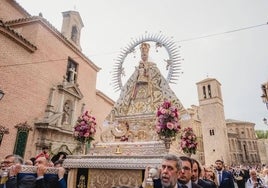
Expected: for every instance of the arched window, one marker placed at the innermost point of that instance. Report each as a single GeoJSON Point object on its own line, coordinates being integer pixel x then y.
{"type": "Point", "coordinates": [74, 34]}
{"type": "Point", "coordinates": [21, 140]}
{"type": "Point", "coordinates": [204, 92]}
{"type": "Point", "coordinates": [209, 91]}
{"type": "Point", "coordinates": [211, 132]}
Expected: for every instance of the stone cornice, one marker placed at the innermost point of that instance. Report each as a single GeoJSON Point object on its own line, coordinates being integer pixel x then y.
{"type": "Point", "coordinates": [46, 126]}
{"type": "Point", "coordinates": [71, 89]}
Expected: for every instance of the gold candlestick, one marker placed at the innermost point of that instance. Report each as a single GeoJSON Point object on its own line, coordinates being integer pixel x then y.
{"type": "Point", "coordinates": [118, 150]}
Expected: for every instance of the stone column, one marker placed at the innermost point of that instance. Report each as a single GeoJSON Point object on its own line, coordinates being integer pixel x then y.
{"type": "Point", "coordinates": [49, 109]}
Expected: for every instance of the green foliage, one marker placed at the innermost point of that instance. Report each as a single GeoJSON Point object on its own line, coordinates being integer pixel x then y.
{"type": "Point", "coordinates": [261, 134]}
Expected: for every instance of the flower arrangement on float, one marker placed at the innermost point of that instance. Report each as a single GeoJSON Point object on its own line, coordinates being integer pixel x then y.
{"type": "Point", "coordinates": [167, 126]}
{"type": "Point", "coordinates": [188, 141]}
{"type": "Point", "coordinates": [85, 128]}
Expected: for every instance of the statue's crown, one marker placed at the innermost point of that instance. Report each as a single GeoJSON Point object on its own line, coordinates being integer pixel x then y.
{"type": "Point", "coordinates": [144, 47]}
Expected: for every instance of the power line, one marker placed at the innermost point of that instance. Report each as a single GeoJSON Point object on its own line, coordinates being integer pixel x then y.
{"type": "Point", "coordinates": [109, 53]}
{"type": "Point", "coordinates": [36, 62]}
{"type": "Point", "coordinates": [105, 53]}
{"type": "Point", "coordinates": [20, 64]}
{"type": "Point", "coordinates": [222, 33]}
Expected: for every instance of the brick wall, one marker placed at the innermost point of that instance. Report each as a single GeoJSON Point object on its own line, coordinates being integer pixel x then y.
{"type": "Point", "coordinates": [26, 79]}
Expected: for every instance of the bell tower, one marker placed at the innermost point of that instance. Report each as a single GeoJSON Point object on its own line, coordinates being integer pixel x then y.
{"type": "Point", "coordinates": [71, 27]}
{"type": "Point", "coordinates": [215, 139]}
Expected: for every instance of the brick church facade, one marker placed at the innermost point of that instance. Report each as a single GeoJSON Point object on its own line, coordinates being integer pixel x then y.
{"type": "Point", "coordinates": [47, 80]}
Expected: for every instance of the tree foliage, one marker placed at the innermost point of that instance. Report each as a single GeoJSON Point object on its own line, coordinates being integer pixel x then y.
{"type": "Point", "coordinates": [261, 134]}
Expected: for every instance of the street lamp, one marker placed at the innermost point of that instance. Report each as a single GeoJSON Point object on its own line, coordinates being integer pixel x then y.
{"type": "Point", "coordinates": [1, 94]}
{"type": "Point", "coordinates": [265, 100]}
{"type": "Point", "coordinates": [264, 96]}
{"type": "Point", "coordinates": [265, 121]}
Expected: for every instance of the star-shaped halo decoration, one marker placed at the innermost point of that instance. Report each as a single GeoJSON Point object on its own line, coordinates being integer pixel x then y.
{"type": "Point", "coordinates": [173, 62]}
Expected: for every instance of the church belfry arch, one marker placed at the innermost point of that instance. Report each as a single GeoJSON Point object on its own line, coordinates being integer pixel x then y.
{"type": "Point", "coordinates": [204, 92]}
{"type": "Point", "coordinates": [74, 34]}
{"type": "Point", "coordinates": [71, 27]}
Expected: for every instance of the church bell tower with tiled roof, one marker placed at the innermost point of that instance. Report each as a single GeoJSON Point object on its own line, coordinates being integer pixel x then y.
{"type": "Point", "coordinates": [71, 27]}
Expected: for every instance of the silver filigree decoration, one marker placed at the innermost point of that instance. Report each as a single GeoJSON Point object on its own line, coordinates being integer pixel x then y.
{"type": "Point", "coordinates": [173, 63]}
{"type": "Point", "coordinates": [32, 169]}
{"type": "Point", "coordinates": [112, 162]}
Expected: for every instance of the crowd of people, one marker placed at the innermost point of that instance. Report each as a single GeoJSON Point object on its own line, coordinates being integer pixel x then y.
{"type": "Point", "coordinates": [12, 165]}
{"type": "Point", "coordinates": [174, 172]}
{"type": "Point", "coordinates": [186, 172]}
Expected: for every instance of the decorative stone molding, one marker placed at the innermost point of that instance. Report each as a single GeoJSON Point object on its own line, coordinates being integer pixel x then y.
{"type": "Point", "coordinates": [24, 126]}
{"type": "Point", "coordinates": [4, 130]}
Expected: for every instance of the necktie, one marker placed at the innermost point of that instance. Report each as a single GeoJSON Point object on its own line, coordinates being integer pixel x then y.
{"type": "Point", "coordinates": [219, 178]}
{"type": "Point", "coordinates": [184, 186]}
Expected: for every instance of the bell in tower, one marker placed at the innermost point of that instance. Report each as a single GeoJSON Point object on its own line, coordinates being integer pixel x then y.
{"type": "Point", "coordinates": [71, 27]}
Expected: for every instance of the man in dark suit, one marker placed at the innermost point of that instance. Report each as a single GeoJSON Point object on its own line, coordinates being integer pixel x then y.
{"type": "Point", "coordinates": [225, 178]}
{"type": "Point", "coordinates": [12, 163]}
{"type": "Point", "coordinates": [185, 174]}
{"type": "Point", "coordinates": [15, 179]}
{"type": "Point", "coordinates": [170, 168]}
{"type": "Point", "coordinates": [196, 173]}
{"type": "Point", "coordinates": [44, 180]}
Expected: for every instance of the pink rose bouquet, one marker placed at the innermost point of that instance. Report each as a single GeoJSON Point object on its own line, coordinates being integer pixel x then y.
{"type": "Point", "coordinates": [188, 141]}
{"type": "Point", "coordinates": [85, 128]}
{"type": "Point", "coordinates": [167, 125]}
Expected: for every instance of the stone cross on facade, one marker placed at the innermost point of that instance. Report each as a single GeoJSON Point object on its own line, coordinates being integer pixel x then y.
{"type": "Point", "coordinates": [72, 74]}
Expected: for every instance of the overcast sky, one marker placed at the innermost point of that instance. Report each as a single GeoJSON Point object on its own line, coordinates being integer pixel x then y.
{"type": "Point", "coordinates": [222, 39]}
